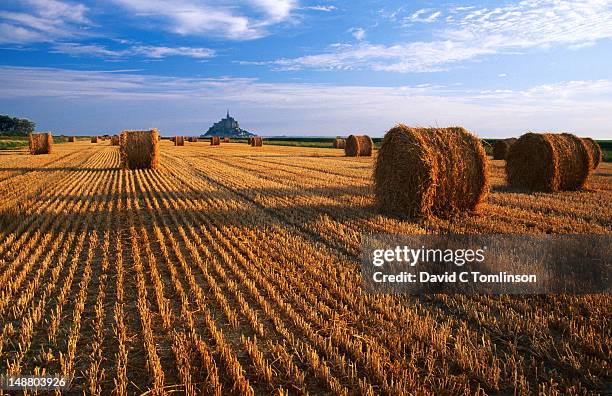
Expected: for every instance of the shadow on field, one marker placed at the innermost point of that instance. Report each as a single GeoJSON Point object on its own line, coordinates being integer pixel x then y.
{"type": "Point", "coordinates": [509, 189]}
{"type": "Point", "coordinates": [244, 209]}
{"type": "Point", "coordinates": [55, 169]}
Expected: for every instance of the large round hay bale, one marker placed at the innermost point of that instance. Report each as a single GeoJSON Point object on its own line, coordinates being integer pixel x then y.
{"type": "Point", "coordinates": [430, 171]}
{"type": "Point", "coordinates": [339, 143]}
{"type": "Point", "coordinates": [257, 141]}
{"type": "Point", "coordinates": [358, 146]}
{"type": "Point", "coordinates": [250, 140]}
{"type": "Point", "coordinates": [594, 150]}
{"type": "Point", "coordinates": [179, 141]}
{"type": "Point", "coordinates": [71, 139]}
{"type": "Point", "coordinates": [548, 162]}
{"type": "Point", "coordinates": [139, 149]}
{"type": "Point", "coordinates": [40, 143]}
{"type": "Point", "coordinates": [501, 147]}
{"type": "Point", "coordinates": [94, 139]}
{"type": "Point", "coordinates": [215, 141]}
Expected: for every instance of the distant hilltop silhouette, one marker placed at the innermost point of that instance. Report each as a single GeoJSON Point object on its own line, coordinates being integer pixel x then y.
{"type": "Point", "coordinates": [229, 127]}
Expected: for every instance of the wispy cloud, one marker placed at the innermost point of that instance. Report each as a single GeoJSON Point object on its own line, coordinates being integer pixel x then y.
{"type": "Point", "coordinates": [45, 21]}
{"type": "Point", "coordinates": [192, 17]}
{"type": "Point", "coordinates": [581, 106]}
{"type": "Point", "coordinates": [146, 51]}
{"type": "Point", "coordinates": [358, 33]}
{"type": "Point", "coordinates": [472, 33]}
{"type": "Point", "coordinates": [423, 15]}
{"type": "Point", "coordinates": [326, 8]}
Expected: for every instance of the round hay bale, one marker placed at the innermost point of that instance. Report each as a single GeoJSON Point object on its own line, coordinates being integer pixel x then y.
{"type": "Point", "coordinates": [594, 150]}
{"type": "Point", "coordinates": [339, 143]}
{"type": "Point", "coordinates": [501, 147]}
{"type": "Point", "coordinates": [215, 141]}
{"type": "Point", "coordinates": [139, 149]}
{"type": "Point", "coordinates": [94, 139]}
{"type": "Point", "coordinates": [256, 141]}
{"type": "Point", "coordinates": [421, 172]}
{"type": "Point", "coordinates": [226, 140]}
{"type": "Point", "coordinates": [358, 146]}
{"type": "Point", "coordinates": [40, 143]}
{"type": "Point", "coordinates": [548, 162]}
{"type": "Point", "coordinates": [115, 140]}
{"type": "Point", "coordinates": [250, 140]}
{"type": "Point", "coordinates": [71, 139]}
{"type": "Point", "coordinates": [179, 141]}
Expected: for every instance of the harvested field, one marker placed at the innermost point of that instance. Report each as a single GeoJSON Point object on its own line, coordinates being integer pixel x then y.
{"type": "Point", "coordinates": [229, 270]}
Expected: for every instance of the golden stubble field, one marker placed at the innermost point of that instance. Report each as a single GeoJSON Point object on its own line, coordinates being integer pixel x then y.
{"type": "Point", "coordinates": [234, 270]}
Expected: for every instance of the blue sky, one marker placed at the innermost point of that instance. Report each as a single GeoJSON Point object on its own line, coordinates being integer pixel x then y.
{"type": "Point", "coordinates": [296, 67]}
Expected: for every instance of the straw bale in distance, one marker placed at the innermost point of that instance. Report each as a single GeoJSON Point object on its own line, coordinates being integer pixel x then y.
{"type": "Point", "coordinates": [257, 141]}
{"type": "Point", "coordinates": [226, 140]}
{"type": "Point", "coordinates": [94, 139]}
{"type": "Point", "coordinates": [339, 143]}
{"type": "Point", "coordinates": [139, 149]}
{"type": "Point", "coordinates": [40, 143]}
{"type": "Point", "coordinates": [501, 147]}
{"type": "Point", "coordinates": [115, 140]}
{"type": "Point", "coordinates": [421, 172]}
{"type": "Point", "coordinates": [179, 141]}
{"type": "Point", "coordinates": [358, 146]}
{"type": "Point", "coordinates": [595, 150]}
{"type": "Point", "coordinates": [548, 162]}
{"type": "Point", "coordinates": [215, 141]}
{"type": "Point", "coordinates": [250, 140]}
{"type": "Point", "coordinates": [71, 139]}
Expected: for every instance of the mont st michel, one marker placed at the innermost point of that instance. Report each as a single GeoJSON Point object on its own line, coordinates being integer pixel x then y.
{"type": "Point", "coordinates": [227, 127]}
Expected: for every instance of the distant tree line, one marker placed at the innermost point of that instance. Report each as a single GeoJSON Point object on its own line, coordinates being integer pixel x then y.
{"type": "Point", "coordinates": [13, 126]}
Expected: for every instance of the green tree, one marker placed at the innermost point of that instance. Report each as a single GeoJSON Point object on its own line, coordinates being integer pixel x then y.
{"type": "Point", "coordinates": [13, 126]}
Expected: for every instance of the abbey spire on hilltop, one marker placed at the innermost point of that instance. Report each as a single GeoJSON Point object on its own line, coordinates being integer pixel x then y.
{"type": "Point", "coordinates": [227, 127]}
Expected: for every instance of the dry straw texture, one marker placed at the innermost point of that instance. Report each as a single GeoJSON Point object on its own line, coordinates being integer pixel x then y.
{"type": "Point", "coordinates": [139, 149]}
{"type": "Point", "coordinates": [548, 162]}
{"type": "Point", "coordinates": [430, 171]}
{"type": "Point", "coordinates": [41, 143]}
{"type": "Point", "coordinates": [501, 147]}
{"type": "Point", "coordinates": [256, 141]}
{"type": "Point", "coordinates": [215, 140]}
{"type": "Point", "coordinates": [339, 143]}
{"type": "Point", "coordinates": [115, 140]}
{"type": "Point", "coordinates": [226, 140]}
{"type": "Point", "coordinates": [358, 146]}
{"type": "Point", "coordinates": [250, 141]}
{"type": "Point", "coordinates": [71, 139]}
{"type": "Point", "coordinates": [594, 150]}
{"type": "Point", "coordinates": [179, 141]}
{"type": "Point", "coordinates": [94, 139]}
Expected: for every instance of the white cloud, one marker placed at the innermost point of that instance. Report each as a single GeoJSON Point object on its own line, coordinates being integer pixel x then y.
{"type": "Point", "coordinates": [277, 10]}
{"type": "Point", "coordinates": [163, 52]}
{"type": "Point", "coordinates": [147, 51]}
{"type": "Point", "coordinates": [274, 108]}
{"type": "Point", "coordinates": [326, 8]}
{"type": "Point", "coordinates": [501, 75]}
{"type": "Point", "coordinates": [358, 33]}
{"type": "Point", "coordinates": [192, 17]}
{"type": "Point", "coordinates": [423, 15]}
{"type": "Point", "coordinates": [473, 33]}
{"type": "Point", "coordinates": [45, 21]}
